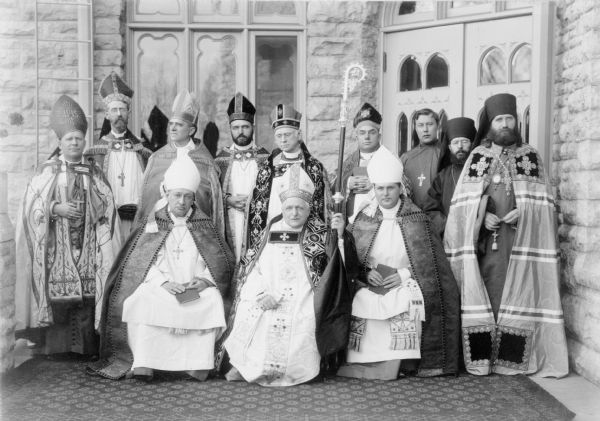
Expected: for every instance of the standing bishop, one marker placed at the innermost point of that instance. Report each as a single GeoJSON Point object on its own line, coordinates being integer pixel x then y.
{"type": "Point", "coordinates": [182, 127]}
{"type": "Point", "coordinates": [265, 202]}
{"type": "Point", "coordinates": [64, 248]}
{"type": "Point", "coordinates": [239, 166]}
{"type": "Point", "coordinates": [407, 306]}
{"type": "Point", "coordinates": [163, 308]}
{"type": "Point", "coordinates": [120, 153]}
{"type": "Point", "coordinates": [502, 244]}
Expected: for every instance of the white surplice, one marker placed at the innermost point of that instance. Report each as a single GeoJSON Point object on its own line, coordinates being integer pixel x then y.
{"type": "Point", "coordinates": [360, 199]}
{"type": "Point", "coordinates": [388, 249]}
{"type": "Point", "coordinates": [243, 178]}
{"type": "Point", "coordinates": [164, 334]}
{"type": "Point", "coordinates": [276, 347]}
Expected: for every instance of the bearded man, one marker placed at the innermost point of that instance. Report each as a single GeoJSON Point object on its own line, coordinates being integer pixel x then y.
{"type": "Point", "coordinates": [502, 243]}
{"type": "Point", "coordinates": [120, 153]}
{"type": "Point", "coordinates": [460, 133]}
{"type": "Point", "coordinates": [239, 166]}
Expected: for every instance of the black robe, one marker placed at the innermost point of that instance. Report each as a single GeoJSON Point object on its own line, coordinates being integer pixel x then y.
{"type": "Point", "coordinates": [129, 271]}
{"type": "Point", "coordinates": [439, 195]}
{"type": "Point", "coordinates": [430, 268]}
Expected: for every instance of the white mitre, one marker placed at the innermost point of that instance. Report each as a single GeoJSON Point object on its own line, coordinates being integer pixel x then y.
{"type": "Point", "coordinates": [295, 183]}
{"type": "Point", "coordinates": [182, 174]}
{"type": "Point", "coordinates": [385, 167]}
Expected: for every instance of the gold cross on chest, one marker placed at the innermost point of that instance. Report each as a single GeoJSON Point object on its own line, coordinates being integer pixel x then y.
{"type": "Point", "coordinates": [421, 178]}
{"type": "Point", "coordinates": [122, 178]}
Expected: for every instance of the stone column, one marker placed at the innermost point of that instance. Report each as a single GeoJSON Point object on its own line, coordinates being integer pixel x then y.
{"type": "Point", "coordinates": [7, 281]}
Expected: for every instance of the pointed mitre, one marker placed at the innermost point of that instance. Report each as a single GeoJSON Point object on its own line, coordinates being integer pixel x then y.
{"type": "Point", "coordinates": [296, 183]}
{"type": "Point", "coordinates": [285, 116]}
{"type": "Point", "coordinates": [385, 167]}
{"type": "Point", "coordinates": [240, 108]}
{"type": "Point", "coordinates": [185, 108]}
{"type": "Point", "coordinates": [67, 116]}
{"type": "Point", "coordinates": [113, 88]}
{"type": "Point", "coordinates": [182, 174]}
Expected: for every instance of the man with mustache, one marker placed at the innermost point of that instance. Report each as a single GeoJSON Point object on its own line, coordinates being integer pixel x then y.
{"type": "Point", "coordinates": [120, 153]}
{"type": "Point", "coordinates": [460, 133]}
{"type": "Point", "coordinates": [502, 244]}
{"type": "Point", "coordinates": [239, 165]}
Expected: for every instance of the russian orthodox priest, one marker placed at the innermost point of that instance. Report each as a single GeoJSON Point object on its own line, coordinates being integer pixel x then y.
{"type": "Point", "coordinates": [265, 202]}
{"type": "Point", "coordinates": [163, 307]}
{"type": "Point", "coordinates": [120, 153]}
{"type": "Point", "coordinates": [292, 303]}
{"type": "Point", "coordinates": [182, 127]}
{"type": "Point", "coordinates": [407, 305]}
{"type": "Point", "coordinates": [421, 162]}
{"type": "Point", "coordinates": [239, 165]}
{"type": "Point", "coordinates": [64, 247]}
{"type": "Point", "coordinates": [459, 137]}
{"type": "Point", "coordinates": [502, 243]}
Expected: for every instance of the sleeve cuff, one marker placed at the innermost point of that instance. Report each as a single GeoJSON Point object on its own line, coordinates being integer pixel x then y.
{"type": "Point", "coordinates": [404, 274]}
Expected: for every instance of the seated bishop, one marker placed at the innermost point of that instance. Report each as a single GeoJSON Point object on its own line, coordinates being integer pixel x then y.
{"type": "Point", "coordinates": [286, 318]}
{"type": "Point", "coordinates": [164, 308]}
{"type": "Point", "coordinates": [407, 304]}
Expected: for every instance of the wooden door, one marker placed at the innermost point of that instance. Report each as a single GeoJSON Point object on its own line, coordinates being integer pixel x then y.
{"type": "Point", "coordinates": [424, 69]}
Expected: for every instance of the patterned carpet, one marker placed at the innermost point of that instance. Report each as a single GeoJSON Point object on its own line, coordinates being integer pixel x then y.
{"type": "Point", "coordinates": [41, 389]}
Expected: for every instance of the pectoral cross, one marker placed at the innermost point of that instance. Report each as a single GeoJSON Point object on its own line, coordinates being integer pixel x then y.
{"type": "Point", "coordinates": [178, 251]}
{"type": "Point", "coordinates": [122, 178]}
{"type": "Point", "coordinates": [421, 178]}
{"type": "Point", "coordinates": [495, 236]}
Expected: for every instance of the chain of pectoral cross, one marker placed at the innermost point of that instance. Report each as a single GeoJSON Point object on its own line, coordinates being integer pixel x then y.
{"type": "Point", "coordinates": [179, 250]}
{"type": "Point", "coordinates": [121, 166]}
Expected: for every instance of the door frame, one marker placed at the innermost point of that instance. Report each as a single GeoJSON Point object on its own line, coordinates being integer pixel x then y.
{"type": "Point", "coordinates": [542, 95]}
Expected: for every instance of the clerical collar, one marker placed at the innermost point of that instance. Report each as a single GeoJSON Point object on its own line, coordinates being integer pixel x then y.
{"type": "Point", "coordinates": [390, 213]}
{"type": "Point", "coordinates": [286, 156]}
{"type": "Point", "coordinates": [118, 135]}
{"type": "Point", "coordinates": [367, 155]}
{"type": "Point", "coordinates": [235, 147]}
{"type": "Point", "coordinates": [180, 220]}
{"type": "Point", "coordinates": [64, 160]}
{"type": "Point", "coordinates": [190, 145]}
{"type": "Point", "coordinates": [283, 233]}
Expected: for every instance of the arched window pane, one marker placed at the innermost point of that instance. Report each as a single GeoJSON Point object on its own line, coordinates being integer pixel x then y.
{"type": "Point", "coordinates": [403, 133]}
{"type": "Point", "coordinates": [275, 8]}
{"type": "Point", "coordinates": [154, 7]}
{"type": "Point", "coordinates": [521, 64]}
{"type": "Point", "coordinates": [493, 67]}
{"type": "Point", "coordinates": [437, 72]}
{"type": "Point", "coordinates": [409, 7]}
{"type": "Point", "coordinates": [410, 75]}
{"type": "Point", "coordinates": [526, 116]}
{"type": "Point", "coordinates": [443, 121]}
{"type": "Point", "coordinates": [223, 7]}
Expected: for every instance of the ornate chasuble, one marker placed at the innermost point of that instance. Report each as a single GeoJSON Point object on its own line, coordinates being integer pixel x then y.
{"type": "Point", "coordinates": [528, 335]}
{"type": "Point", "coordinates": [420, 167]}
{"type": "Point", "coordinates": [130, 270]}
{"type": "Point", "coordinates": [430, 268]}
{"type": "Point", "coordinates": [61, 260]}
{"type": "Point", "coordinates": [259, 204]}
{"type": "Point", "coordinates": [246, 163]}
{"type": "Point", "coordinates": [208, 197]}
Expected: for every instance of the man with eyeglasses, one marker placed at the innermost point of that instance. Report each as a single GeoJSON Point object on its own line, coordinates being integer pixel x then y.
{"type": "Point", "coordinates": [265, 203]}
{"type": "Point", "coordinates": [367, 124]}
{"type": "Point", "coordinates": [421, 162]}
{"type": "Point", "coordinates": [460, 133]}
{"type": "Point", "coordinates": [120, 153]}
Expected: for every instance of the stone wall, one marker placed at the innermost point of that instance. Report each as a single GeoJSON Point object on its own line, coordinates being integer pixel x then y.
{"type": "Point", "coordinates": [576, 156]}
{"type": "Point", "coordinates": [7, 281]}
{"type": "Point", "coordinates": [338, 34]}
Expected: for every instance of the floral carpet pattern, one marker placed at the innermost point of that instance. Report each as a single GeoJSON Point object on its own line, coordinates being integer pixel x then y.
{"type": "Point", "coordinates": [43, 389]}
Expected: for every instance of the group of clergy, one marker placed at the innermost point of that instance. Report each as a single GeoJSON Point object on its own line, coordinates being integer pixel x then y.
{"type": "Point", "coordinates": [244, 265]}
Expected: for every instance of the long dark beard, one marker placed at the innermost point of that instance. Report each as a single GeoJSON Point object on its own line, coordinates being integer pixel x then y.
{"type": "Point", "coordinates": [503, 137]}
{"type": "Point", "coordinates": [242, 140]}
{"type": "Point", "coordinates": [459, 161]}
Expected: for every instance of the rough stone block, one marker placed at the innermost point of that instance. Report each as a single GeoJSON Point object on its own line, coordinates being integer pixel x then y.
{"type": "Point", "coordinates": [323, 108]}
{"type": "Point", "coordinates": [317, 67]}
{"type": "Point", "coordinates": [584, 360]}
{"type": "Point", "coordinates": [322, 46]}
{"type": "Point", "coordinates": [108, 8]}
{"type": "Point", "coordinates": [583, 239]}
{"type": "Point", "coordinates": [582, 316]}
{"type": "Point", "coordinates": [110, 25]}
{"type": "Point", "coordinates": [108, 58]}
{"type": "Point", "coordinates": [108, 42]}
{"type": "Point", "coordinates": [576, 185]}
{"type": "Point", "coordinates": [586, 267]}
{"type": "Point", "coordinates": [330, 29]}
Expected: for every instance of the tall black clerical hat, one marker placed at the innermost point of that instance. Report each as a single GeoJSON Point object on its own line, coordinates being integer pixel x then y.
{"type": "Point", "coordinates": [240, 108]}
{"type": "Point", "coordinates": [494, 106]}
{"type": "Point", "coordinates": [367, 113]}
{"type": "Point", "coordinates": [460, 127]}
